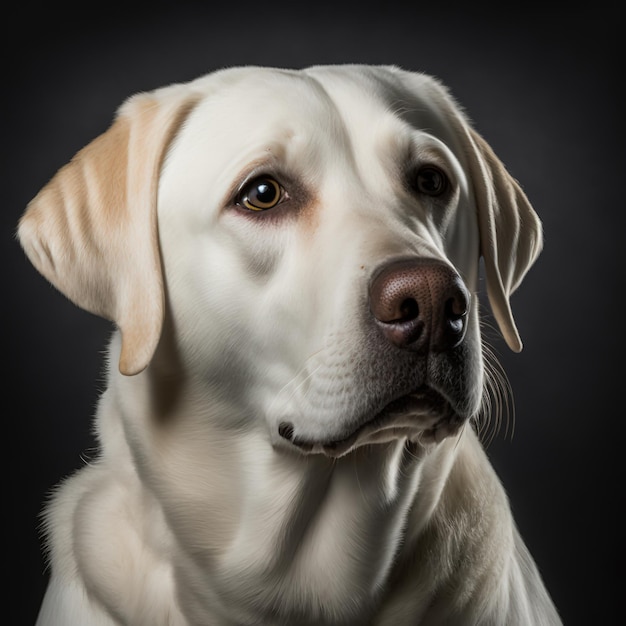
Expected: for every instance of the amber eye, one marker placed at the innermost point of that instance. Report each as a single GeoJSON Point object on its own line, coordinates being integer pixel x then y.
{"type": "Point", "coordinates": [431, 181]}
{"type": "Point", "coordinates": [260, 194]}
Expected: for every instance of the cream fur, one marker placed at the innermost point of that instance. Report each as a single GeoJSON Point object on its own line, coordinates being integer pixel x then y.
{"type": "Point", "coordinates": [232, 323]}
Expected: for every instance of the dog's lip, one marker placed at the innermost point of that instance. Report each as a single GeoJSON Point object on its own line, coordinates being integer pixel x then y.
{"type": "Point", "coordinates": [400, 415]}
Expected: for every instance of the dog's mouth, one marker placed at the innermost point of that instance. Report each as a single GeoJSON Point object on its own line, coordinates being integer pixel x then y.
{"type": "Point", "coordinates": [423, 416]}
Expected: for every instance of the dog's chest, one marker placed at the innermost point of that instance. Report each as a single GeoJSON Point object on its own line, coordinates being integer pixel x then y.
{"type": "Point", "coordinates": [318, 543]}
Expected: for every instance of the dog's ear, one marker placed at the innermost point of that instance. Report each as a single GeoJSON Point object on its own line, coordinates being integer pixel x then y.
{"type": "Point", "coordinates": [510, 231]}
{"type": "Point", "coordinates": [92, 230]}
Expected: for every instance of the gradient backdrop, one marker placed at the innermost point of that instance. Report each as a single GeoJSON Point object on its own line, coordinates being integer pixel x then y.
{"type": "Point", "coordinates": [539, 86]}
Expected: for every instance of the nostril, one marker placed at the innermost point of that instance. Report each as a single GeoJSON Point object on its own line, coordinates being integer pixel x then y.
{"type": "Point", "coordinates": [409, 310]}
{"type": "Point", "coordinates": [453, 324]}
{"type": "Point", "coordinates": [455, 309]}
{"type": "Point", "coordinates": [456, 325]}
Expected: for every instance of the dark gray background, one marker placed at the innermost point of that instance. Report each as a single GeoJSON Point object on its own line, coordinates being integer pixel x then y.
{"type": "Point", "coordinates": [541, 86]}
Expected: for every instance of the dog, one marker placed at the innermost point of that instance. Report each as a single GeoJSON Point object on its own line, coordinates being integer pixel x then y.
{"type": "Point", "coordinates": [296, 374]}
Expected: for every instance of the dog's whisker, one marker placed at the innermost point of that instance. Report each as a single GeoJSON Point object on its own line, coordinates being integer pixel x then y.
{"type": "Point", "coordinates": [358, 480]}
{"type": "Point", "coordinates": [290, 383]}
{"type": "Point", "coordinates": [310, 373]}
{"type": "Point", "coordinates": [497, 406]}
{"type": "Point", "coordinates": [461, 434]}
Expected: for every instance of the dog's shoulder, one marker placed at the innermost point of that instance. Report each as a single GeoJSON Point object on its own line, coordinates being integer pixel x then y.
{"type": "Point", "coordinates": [106, 501]}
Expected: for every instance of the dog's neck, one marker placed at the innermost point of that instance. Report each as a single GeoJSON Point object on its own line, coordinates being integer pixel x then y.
{"type": "Point", "coordinates": [268, 532]}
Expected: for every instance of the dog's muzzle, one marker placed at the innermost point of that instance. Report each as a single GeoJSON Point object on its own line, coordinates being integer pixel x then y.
{"type": "Point", "coordinates": [420, 306]}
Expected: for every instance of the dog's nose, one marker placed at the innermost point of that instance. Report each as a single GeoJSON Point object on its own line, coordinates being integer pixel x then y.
{"type": "Point", "coordinates": [420, 305]}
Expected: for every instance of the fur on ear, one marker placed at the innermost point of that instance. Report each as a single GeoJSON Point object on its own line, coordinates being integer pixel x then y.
{"type": "Point", "coordinates": [511, 235]}
{"type": "Point", "coordinates": [92, 230]}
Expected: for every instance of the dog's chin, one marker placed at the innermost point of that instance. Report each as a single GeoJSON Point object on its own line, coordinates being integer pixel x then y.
{"type": "Point", "coordinates": [423, 417]}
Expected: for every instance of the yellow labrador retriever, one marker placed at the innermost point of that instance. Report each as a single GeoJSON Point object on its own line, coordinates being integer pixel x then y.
{"type": "Point", "coordinates": [288, 434]}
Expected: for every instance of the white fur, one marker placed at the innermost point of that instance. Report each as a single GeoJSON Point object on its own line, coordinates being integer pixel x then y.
{"type": "Point", "coordinates": [196, 511]}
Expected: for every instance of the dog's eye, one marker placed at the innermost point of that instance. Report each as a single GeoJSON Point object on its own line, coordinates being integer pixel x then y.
{"type": "Point", "coordinates": [260, 194]}
{"type": "Point", "coordinates": [431, 181]}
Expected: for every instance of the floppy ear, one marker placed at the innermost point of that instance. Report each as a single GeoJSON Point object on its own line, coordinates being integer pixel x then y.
{"type": "Point", "coordinates": [92, 230]}
{"type": "Point", "coordinates": [510, 232]}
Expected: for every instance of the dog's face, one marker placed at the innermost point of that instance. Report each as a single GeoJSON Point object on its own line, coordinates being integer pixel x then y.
{"type": "Point", "coordinates": [315, 237]}
{"type": "Point", "coordinates": [273, 243]}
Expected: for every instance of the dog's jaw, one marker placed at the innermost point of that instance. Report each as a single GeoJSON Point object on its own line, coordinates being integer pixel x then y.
{"type": "Point", "coordinates": [423, 417]}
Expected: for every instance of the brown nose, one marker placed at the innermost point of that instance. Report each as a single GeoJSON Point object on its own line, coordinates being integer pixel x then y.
{"type": "Point", "coordinates": [420, 305]}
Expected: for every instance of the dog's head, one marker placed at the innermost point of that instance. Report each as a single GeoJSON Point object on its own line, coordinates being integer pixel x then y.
{"type": "Point", "coordinates": [312, 239]}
